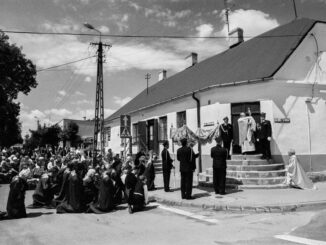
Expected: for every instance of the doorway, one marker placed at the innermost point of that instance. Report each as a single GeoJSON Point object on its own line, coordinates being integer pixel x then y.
{"type": "Point", "coordinates": [152, 135]}
{"type": "Point", "coordinates": [236, 109]}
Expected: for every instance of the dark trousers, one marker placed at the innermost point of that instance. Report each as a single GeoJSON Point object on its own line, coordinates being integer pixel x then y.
{"type": "Point", "coordinates": [186, 184]}
{"type": "Point", "coordinates": [227, 145]}
{"type": "Point", "coordinates": [166, 179]}
{"type": "Point", "coordinates": [219, 176]}
{"type": "Point", "coordinates": [265, 148]}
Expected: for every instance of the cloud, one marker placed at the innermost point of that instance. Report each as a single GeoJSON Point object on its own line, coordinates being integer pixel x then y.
{"type": "Point", "coordinates": [253, 22]}
{"type": "Point", "coordinates": [80, 102]}
{"type": "Point", "coordinates": [121, 21]}
{"type": "Point", "coordinates": [62, 93]}
{"type": "Point", "coordinates": [85, 2]}
{"type": "Point", "coordinates": [58, 112]}
{"type": "Point", "coordinates": [104, 29]}
{"type": "Point", "coordinates": [88, 79]}
{"type": "Point", "coordinates": [78, 93]}
{"type": "Point", "coordinates": [166, 16]}
{"type": "Point", "coordinates": [121, 101]}
{"type": "Point", "coordinates": [157, 54]}
{"type": "Point", "coordinates": [205, 30]}
{"type": "Point", "coordinates": [29, 118]}
{"type": "Point", "coordinates": [134, 5]}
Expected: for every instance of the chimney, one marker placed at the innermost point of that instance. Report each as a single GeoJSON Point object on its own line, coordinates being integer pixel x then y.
{"type": "Point", "coordinates": [191, 60]}
{"type": "Point", "coordinates": [162, 75]}
{"type": "Point", "coordinates": [235, 37]}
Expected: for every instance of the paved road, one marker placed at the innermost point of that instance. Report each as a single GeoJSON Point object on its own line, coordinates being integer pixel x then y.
{"type": "Point", "coordinates": [157, 225]}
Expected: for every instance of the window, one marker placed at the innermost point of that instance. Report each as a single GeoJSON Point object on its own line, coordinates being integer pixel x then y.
{"type": "Point", "coordinates": [163, 129]}
{"type": "Point", "coordinates": [181, 119]}
{"type": "Point", "coordinates": [151, 132]}
{"type": "Point", "coordinates": [135, 135]}
{"type": "Point", "coordinates": [108, 133]}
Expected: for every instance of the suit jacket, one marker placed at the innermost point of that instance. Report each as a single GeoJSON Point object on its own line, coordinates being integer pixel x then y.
{"type": "Point", "coordinates": [266, 130]}
{"type": "Point", "coordinates": [166, 159]}
{"type": "Point", "coordinates": [184, 156]}
{"type": "Point", "coordinates": [219, 155]}
{"type": "Point", "coordinates": [226, 132]}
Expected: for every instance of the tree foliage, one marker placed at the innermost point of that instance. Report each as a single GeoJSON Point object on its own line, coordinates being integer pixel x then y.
{"type": "Point", "coordinates": [43, 136]}
{"type": "Point", "coordinates": [71, 134]}
{"type": "Point", "coordinates": [17, 74]}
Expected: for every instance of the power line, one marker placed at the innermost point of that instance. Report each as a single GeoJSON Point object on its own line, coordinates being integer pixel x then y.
{"type": "Point", "coordinates": [68, 63]}
{"type": "Point", "coordinates": [143, 36]}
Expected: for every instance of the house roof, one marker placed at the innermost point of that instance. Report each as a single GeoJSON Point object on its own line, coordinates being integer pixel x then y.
{"type": "Point", "coordinates": [260, 57]}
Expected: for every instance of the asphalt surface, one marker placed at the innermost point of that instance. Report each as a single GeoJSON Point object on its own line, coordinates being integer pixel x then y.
{"type": "Point", "coordinates": [158, 224]}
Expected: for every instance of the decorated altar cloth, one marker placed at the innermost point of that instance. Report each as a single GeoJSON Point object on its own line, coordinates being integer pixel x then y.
{"type": "Point", "coordinates": [203, 136]}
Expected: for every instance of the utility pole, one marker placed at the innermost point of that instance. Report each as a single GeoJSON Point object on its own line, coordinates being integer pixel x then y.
{"type": "Point", "coordinates": [147, 77]}
{"type": "Point", "coordinates": [295, 9]}
{"type": "Point", "coordinates": [227, 10]}
{"type": "Point", "coordinates": [99, 103]}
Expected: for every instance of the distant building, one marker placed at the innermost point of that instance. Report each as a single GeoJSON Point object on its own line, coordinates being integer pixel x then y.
{"type": "Point", "coordinates": [280, 72]}
{"type": "Point", "coordinates": [85, 130]}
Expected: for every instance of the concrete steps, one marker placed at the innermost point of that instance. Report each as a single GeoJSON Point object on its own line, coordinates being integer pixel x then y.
{"type": "Point", "coordinates": [248, 172]}
{"type": "Point", "coordinates": [158, 166]}
{"type": "Point", "coordinates": [265, 167]}
{"type": "Point", "coordinates": [246, 157]}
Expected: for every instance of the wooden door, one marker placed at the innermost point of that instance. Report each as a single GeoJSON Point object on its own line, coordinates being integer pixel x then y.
{"type": "Point", "coordinates": [142, 135]}
{"type": "Point", "coordinates": [155, 137]}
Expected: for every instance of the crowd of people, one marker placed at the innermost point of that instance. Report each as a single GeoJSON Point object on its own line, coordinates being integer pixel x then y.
{"type": "Point", "coordinates": [69, 181]}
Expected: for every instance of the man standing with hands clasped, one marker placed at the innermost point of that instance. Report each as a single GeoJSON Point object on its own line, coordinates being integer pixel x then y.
{"type": "Point", "coordinates": [186, 157]}
{"type": "Point", "coordinates": [219, 155]}
{"type": "Point", "coordinates": [226, 132]}
{"type": "Point", "coordinates": [265, 137]}
{"type": "Point", "coordinates": [167, 166]}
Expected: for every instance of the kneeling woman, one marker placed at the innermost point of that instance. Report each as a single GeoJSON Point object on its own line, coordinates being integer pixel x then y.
{"type": "Point", "coordinates": [296, 176]}
{"type": "Point", "coordinates": [136, 190]}
{"type": "Point", "coordinates": [16, 198]}
{"type": "Point", "coordinates": [105, 201]}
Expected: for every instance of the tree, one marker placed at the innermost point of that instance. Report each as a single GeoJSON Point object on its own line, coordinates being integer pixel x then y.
{"type": "Point", "coordinates": [17, 74]}
{"type": "Point", "coordinates": [43, 136]}
{"type": "Point", "coordinates": [71, 134]}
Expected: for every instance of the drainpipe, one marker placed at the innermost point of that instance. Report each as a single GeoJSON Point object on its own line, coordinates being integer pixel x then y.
{"type": "Point", "coordinates": [198, 125]}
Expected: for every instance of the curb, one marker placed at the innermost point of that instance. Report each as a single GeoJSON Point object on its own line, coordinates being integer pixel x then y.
{"type": "Point", "coordinates": [238, 208]}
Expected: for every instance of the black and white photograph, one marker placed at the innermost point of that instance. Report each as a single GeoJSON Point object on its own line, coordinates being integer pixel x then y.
{"type": "Point", "coordinates": [162, 122]}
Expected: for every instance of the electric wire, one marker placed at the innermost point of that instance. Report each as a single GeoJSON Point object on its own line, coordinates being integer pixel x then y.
{"type": "Point", "coordinates": [64, 64]}
{"type": "Point", "coordinates": [145, 36]}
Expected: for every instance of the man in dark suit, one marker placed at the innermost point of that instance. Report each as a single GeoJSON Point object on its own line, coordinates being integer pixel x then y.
{"type": "Point", "coordinates": [226, 132]}
{"type": "Point", "coordinates": [219, 155]}
{"type": "Point", "coordinates": [185, 156]}
{"type": "Point", "coordinates": [167, 166]}
{"type": "Point", "coordinates": [265, 136]}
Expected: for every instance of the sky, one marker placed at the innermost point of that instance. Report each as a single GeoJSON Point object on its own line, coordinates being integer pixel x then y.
{"type": "Point", "coordinates": [69, 91]}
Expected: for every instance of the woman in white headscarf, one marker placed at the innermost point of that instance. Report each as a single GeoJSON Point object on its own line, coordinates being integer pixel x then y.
{"type": "Point", "coordinates": [296, 176]}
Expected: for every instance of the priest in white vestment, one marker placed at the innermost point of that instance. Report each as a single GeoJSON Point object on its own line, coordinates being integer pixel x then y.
{"type": "Point", "coordinates": [247, 127]}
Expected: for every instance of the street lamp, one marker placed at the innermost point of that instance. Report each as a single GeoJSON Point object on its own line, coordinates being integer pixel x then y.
{"type": "Point", "coordinates": [89, 26]}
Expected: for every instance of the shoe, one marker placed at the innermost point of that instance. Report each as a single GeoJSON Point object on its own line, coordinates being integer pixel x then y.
{"type": "Point", "coordinates": [190, 198]}
{"type": "Point", "coordinates": [222, 193]}
{"type": "Point", "coordinates": [168, 191]}
{"type": "Point", "coordinates": [130, 209]}
{"type": "Point", "coordinates": [183, 197]}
